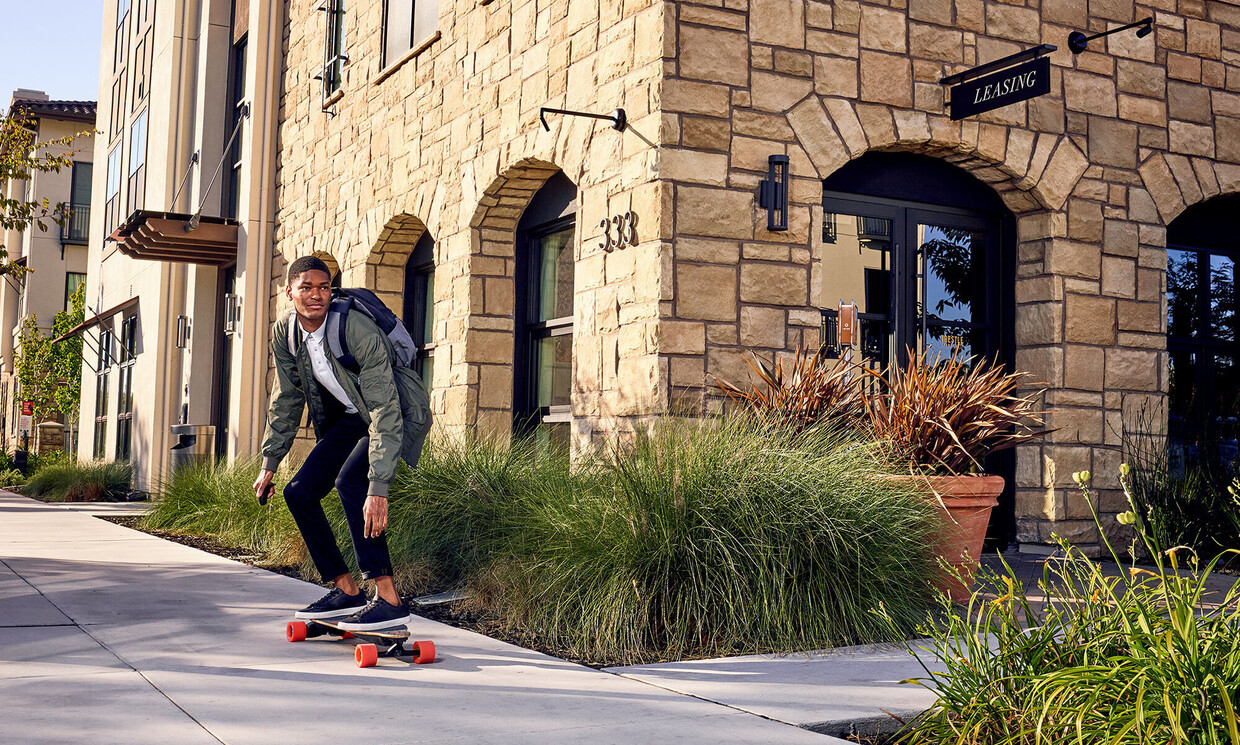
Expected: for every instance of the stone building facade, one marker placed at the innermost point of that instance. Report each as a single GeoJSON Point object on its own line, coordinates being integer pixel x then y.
{"type": "Point", "coordinates": [1073, 193]}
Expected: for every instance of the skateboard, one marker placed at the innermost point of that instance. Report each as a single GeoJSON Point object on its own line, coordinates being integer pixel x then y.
{"type": "Point", "coordinates": [375, 644]}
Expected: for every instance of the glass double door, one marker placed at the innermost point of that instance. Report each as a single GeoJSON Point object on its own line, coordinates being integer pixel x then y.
{"type": "Point", "coordinates": [923, 277]}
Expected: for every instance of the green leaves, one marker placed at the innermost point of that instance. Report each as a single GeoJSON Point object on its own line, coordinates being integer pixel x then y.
{"type": "Point", "coordinates": [1142, 656]}
{"type": "Point", "coordinates": [50, 374]}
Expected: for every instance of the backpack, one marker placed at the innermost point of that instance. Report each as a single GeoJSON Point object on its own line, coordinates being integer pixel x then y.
{"type": "Point", "coordinates": [403, 347]}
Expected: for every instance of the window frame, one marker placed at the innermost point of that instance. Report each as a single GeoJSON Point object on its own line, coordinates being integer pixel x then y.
{"type": "Point", "coordinates": [124, 393]}
{"type": "Point", "coordinates": [423, 23]}
{"type": "Point", "coordinates": [531, 330]}
{"type": "Point", "coordinates": [419, 305]}
{"type": "Point", "coordinates": [331, 75]}
{"type": "Point", "coordinates": [102, 374]}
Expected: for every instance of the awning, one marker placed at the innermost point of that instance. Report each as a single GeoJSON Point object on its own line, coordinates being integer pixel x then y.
{"type": "Point", "coordinates": [95, 320]}
{"type": "Point", "coordinates": [163, 236]}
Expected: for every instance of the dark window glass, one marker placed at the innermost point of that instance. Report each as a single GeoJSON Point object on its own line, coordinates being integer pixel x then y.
{"type": "Point", "coordinates": [544, 312]}
{"type": "Point", "coordinates": [103, 366]}
{"type": "Point", "coordinates": [124, 401]}
{"type": "Point", "coordinates": [333, 56]}
{"type": "Point", "coordinates": [232, 187]}
{"type": "Point", "coordinates": [419, 305]}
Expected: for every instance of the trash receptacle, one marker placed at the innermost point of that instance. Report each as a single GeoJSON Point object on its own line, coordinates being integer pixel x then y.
{"type": "Point", "coordinates": [195, 443]}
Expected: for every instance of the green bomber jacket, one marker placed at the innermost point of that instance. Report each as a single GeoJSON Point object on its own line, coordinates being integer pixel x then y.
{"type": "Point", "coordinates": [393, 403]}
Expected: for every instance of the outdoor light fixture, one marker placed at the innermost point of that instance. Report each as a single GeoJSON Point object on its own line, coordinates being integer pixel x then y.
{"type": "Point", "coordinates": [773, 193]}
{"type": "Point", "coordinates": [182, 331]}
{"type": "Point", "coordinates": [1078, 41]}
{"type": "Point", "coordinates": [232, 312]}
{"type": "Point", "coordinates": [619, 120]}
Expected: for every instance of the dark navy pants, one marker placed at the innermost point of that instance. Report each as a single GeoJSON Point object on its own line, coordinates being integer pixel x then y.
{"type": "Point", "coordinates": [342, 459]}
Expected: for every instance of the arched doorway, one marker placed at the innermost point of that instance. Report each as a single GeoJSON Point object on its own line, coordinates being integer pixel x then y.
{"type": "Point", "coordinates": [926, 251]}
{"type": "Point", "coordinates": [544, 277]}
{"type": "Point", "coordinates": [1203, 332]}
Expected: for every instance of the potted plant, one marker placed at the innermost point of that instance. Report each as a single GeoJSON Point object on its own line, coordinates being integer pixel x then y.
{"type": "Point", "coordinates": [943, 418]}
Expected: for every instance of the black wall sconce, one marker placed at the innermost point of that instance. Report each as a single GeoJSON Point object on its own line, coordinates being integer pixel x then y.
{"type": "Point", "coordinates": [773, 193]}
{"type": "Point", "coordinates": [1079, 42]}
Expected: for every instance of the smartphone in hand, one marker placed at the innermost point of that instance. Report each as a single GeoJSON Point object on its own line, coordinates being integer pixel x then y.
{"type": "Point", "coordinates": [262, 499]}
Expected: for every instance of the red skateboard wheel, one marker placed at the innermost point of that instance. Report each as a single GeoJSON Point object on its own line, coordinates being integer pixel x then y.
{"type": "Point", "coordinates": [423, 652]}
{"type": "Point", "coordinates": [295, 631]}
{"type": "Point", "coordinates": [366, 655]}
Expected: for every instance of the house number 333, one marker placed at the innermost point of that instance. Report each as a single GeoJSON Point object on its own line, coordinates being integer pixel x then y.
{"type": "Point", "coordinates": [619, 231]}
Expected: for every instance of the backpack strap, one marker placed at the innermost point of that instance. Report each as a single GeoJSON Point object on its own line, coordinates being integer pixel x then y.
{"type": "Point", "coordinates": [337, 313]}
{"type": "Point", "coordinates": [294, 334]}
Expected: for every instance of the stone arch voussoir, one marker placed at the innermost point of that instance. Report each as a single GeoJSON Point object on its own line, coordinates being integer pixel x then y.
{"type": "Point", "coordinates": [1031, 172]}
{"type": "Point", "coordinates": [1177, 182]}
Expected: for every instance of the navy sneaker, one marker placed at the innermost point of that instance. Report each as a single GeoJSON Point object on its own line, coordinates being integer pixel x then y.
{"type": "Point", "coordinates": [335, 604]}
{"type": "Point", "coordinates": [378, 614]}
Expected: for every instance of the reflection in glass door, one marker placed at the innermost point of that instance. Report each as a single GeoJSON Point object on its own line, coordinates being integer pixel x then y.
{"type": "Point", "coordinates": [951, 291]}
{"type": "Point", "coordinates": [922, 278]}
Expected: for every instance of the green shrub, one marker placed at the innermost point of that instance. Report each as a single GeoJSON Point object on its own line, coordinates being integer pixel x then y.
{"type": "Point", "coordinates": [11, 477]}
{"type": "Point", "coordinates": [1144, 657]}
{"type": "Point", "coordinates": [212, 499]}
{"type": "Point", "coordinates": [703, 538]}
{"type": "Point", "coordinates": [36, 462]}
{"type": "Point", "coordinates": [716, 537]}
{"type": "Point", "coordinates": [91, 481]}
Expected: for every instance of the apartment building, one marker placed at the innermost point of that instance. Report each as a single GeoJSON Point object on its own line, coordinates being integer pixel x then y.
{"type": "Point", "coordinates": [179, 253]}
{"type": "Point", "coordinates": [579, 272]}
{"type": "Point", "coordinates": [56, 258]}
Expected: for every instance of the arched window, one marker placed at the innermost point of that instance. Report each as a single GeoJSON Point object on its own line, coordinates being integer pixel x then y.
{"type": "Point", "coordinates": [1203, 341]}
{"type": "Point", "coordinates": [419, 310]}
{"type": "Point", "coordinates": [543, 364]}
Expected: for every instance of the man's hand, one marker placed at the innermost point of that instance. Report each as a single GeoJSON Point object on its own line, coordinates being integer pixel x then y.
{"type": "Point", "coordinates": [262, 486]}
{"type": "Point", "coordinates": [375, 512]}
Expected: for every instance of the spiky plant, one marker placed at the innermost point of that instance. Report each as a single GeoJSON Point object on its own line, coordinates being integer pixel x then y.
{"type": "Point", "coordinates": [811, 390]}
{"type": "Point", "coordinates": [946, 416]}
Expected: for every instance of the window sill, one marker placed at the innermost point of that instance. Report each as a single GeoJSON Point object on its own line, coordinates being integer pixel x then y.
{"type": "Point", "coordinates": [333, 99]}
{"type": "Point", "coordinates": [391, 69]}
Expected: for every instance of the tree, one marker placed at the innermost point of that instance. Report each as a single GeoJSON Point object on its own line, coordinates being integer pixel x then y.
{"type": "Point", "coordinates": [20, 157]}
{"type": "Point", "coordinates": [50, 374]}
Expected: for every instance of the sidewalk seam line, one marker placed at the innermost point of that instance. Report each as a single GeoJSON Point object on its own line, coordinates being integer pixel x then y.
{"type": "Point", "coordinates": [112, 652]}
{"type": "Point", "coordinates": [707, 700]}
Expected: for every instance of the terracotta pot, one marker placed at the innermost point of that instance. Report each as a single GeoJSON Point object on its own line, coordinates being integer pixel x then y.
{"type": "Point", "coordinates": [968, 501]}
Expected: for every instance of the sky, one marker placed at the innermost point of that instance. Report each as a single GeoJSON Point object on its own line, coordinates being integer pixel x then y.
{"type": "Point", "coordinates": [52, 46]}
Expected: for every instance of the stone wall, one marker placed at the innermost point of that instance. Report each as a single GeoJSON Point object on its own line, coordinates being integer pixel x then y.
{"type": "Point", "coordinates": [450, 142]}
{"type": "Point", "coordinates": [1132, 131]}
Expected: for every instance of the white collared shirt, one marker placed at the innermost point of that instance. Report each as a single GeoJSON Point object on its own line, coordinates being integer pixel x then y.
{"type": "Point", "coordinates": [322, 369]}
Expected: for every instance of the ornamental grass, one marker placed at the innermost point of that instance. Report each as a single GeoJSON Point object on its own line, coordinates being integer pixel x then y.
{"type": "Point", "coordinates": [1148, 656]}
{"type": "Point", "coordinates": [696, 538]}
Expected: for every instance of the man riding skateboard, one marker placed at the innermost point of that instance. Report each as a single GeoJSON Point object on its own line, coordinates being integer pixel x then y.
{"type": "Point", "coordinates": [364, 420]}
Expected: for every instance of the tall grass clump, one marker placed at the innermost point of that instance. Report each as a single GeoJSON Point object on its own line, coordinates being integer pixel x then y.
{"type": "Point", "coordinates": [216, 500]}
{"type": "Point", "coordinates": [718, 536]}
{"type": "Point", "coordinates": [85, 481]}
{"type": "Point", "coordinates": [1148, 656]}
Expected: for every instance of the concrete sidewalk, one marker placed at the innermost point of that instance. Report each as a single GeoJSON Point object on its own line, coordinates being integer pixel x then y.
{"type": "Point", "coordinates": [111, 635]}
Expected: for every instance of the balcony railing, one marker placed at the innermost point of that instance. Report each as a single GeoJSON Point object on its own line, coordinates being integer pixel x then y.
{"type": "Point", "coordinates": [76, 229]}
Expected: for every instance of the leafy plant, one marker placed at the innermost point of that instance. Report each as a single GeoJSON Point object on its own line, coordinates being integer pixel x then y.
{"type": "Point", "coordinates": [1182, 492]}
{"type": "Point", "coordinates": [50, 374]}
{"type": "Point", "coordinates": [1148, 656]}
{"type": "Point", "coordinates": [814, 389]}
{"type": "Point", "coordinates": [946, 416]}
{"type": "Point", "coordinates": [22, 155]}
{"type": "Point", "coordinates": [91, 481]}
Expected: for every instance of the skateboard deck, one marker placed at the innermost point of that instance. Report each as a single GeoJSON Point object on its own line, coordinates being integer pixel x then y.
{"type": "Point", "coordinates": [375, 644]}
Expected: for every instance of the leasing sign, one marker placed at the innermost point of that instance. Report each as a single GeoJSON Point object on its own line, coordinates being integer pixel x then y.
{"type": "Point", "coordinates": [1007, 86]}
